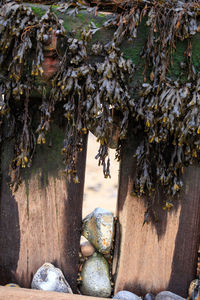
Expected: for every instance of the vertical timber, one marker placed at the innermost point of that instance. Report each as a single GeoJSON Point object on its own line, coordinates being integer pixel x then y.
{"type": "Point", "coordinates": [41, 222]}
{"type": "Point", "coordinates": [161, 255]}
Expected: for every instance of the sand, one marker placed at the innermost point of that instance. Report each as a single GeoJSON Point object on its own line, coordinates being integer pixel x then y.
{"type": "Point", "coordinates": [99, 191]}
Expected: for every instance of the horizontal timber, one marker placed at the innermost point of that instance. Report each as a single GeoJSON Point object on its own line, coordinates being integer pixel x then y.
{"type": "Point", "coordinates": [10, 293]}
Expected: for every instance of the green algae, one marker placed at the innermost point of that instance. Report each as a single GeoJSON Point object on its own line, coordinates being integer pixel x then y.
{"type": "Point", "coordinates": [38, 11]}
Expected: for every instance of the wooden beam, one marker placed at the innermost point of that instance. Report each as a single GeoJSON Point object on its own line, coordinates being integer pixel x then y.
{"type": "Point", "coordinates": [162, 255]}
{"type": "Point", "coordinates": [28, 294]}
{"type": "Point", "coordinates": [41, 222]}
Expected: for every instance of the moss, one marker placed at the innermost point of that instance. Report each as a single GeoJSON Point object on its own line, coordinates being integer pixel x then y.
{"type": "Point", "coordinates": [54, 6]}
{"type": "Point", "coordinates": [131, 50]}
{"type": "Point", "coordinates": [97, 24]}
{"type": "Point", "coordinates": [80, 21]}
{"type": "Point", "coordinates": [38, 11]}
{"type": "Point", "coordinates": [99, 20]}
{"type": "Point", "coordinates": [196, 50]}
{"type": "Point", "coordinates": [74, 23]}
{"type": "Point", "coordinates": [47, 159]}
{"type": "Point", "coordinates": [101, 15]}
{"type": "Point", "coordinates": [178, 57]}
{"type": "Point", "coordinates": [82, 17]}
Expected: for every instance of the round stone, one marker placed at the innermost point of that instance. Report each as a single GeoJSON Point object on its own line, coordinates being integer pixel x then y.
{"type": "Point", "coordinates": [126, 295]}
{"type": "Point", "coordinates": [149, 296]}
{"type": "Point", "coordinates": [87, 249]}
{"type": "Point", "coordinates": [95, 277]}
{"type": "Point", "coordinates": [166, 295]}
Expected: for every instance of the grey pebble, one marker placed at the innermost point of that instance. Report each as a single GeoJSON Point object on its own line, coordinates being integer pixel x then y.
{"type": "Point", "coordinates": [98, 229]}
{"type": "Point", "coordinates": [149, 296]}
{"type": "Point", "coordinates": [126, 295]}
{"type": "Point", "coordinates": [95, 277]}
{"type": "Point", "coordinates": [49, 278]}
{"type": "Point", "coordinates": [166, 295]}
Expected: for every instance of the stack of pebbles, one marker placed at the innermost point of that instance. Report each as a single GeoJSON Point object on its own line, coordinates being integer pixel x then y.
{"type": "Point", "coordinates": [98, 229]}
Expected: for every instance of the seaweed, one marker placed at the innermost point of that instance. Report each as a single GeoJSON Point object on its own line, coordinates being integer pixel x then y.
{"type": "Point", "coordinates": [165, 111]}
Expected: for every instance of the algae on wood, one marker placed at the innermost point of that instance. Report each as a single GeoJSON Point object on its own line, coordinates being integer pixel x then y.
{"type": "Point", "coordinates": [131, 49]}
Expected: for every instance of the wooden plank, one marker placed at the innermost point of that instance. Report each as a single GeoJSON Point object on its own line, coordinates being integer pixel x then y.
{"type": "Point", "coordinates": [41, 222]}
{"type": "Point", "coordinates": [162, 255]}
{"type": "Point", "coordinates": [26, 294]}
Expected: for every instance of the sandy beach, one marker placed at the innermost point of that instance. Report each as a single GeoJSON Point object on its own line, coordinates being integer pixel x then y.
{"type": "Point", "coordinates": [99, 191]}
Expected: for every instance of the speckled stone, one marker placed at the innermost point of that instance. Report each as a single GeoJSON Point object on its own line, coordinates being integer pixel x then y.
{"type": "Point", "coordinates": [98, 229]}
{"type": "Point", "coordinates": [165, 295]}
{"type": "Point", "coordinates": [126, 295]}
{"type": "Point", "coordinates": [49, 278]}
{"type": "Point", "coordinates": [87, 249]}
{"type": "Point", "coordinates": [95, 277]}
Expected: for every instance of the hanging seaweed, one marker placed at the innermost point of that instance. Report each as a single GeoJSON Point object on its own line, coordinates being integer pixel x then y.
{"type": "Point", "coordinates": [90, 94]}
{"type": "Point", "coordinates": [165, 112]}
{"type": "Point", "coordinates": [22, 36]}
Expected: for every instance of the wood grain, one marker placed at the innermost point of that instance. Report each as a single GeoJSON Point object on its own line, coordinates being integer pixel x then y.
{"type": "Point", "coordinates": [161, 255]}
{"type": "Point", "coordinates": [28, 294]}
{"type": "Point", "coordinates": [41, 222]}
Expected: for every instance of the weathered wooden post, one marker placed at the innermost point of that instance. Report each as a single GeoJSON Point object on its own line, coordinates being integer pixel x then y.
{"type": "Point", "coordinates": [161, 255]}
{"type": "Point", "coordinates": [41, 222]}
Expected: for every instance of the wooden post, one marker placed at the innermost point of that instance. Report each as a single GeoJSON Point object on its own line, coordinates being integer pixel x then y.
{"type": "Point", "coordinates": [162, 255]}
{"type": "Point", "coordinates": [41, 222]}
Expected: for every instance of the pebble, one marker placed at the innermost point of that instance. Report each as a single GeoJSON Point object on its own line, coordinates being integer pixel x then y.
{"type": "Point", "coordinates": [98, 229]}
{"type": "Point", "coordinates": [149, 296]}
{"type": "Point", "coordinates": [49, 278]}
{"type": "Point", "coordinates": [165, 295]}
{"type": "Point", "coordinates": [193, 289]}
{"type": "Point", "coordinates": [12, 285]}
{"type": "Point", "coordinates": [87, 249]}
{"type": "Point", "coordinates": [126, 295]}
{"type": "Point", "coordinates": [95, 277]}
